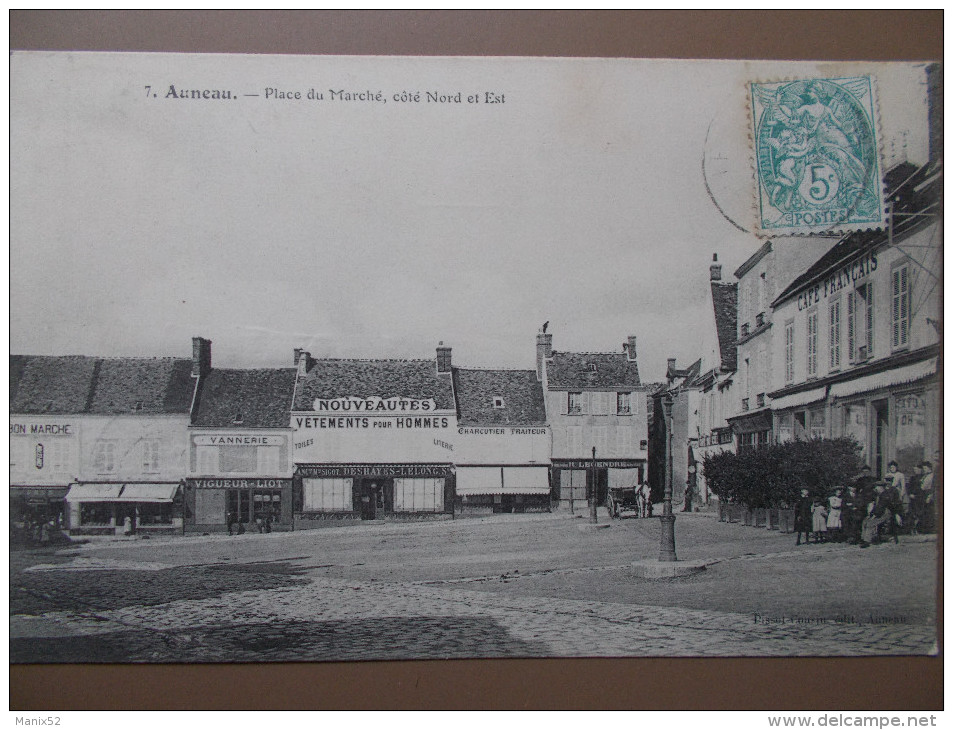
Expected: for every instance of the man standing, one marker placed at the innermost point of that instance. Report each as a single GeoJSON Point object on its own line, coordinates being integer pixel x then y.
{"type": "Point", "coordinates": [803, 517]}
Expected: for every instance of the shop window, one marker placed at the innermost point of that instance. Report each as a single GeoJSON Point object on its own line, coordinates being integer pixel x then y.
{"type": "Point", "coordinates": [818, 424]}
{"type": "Point", "coordinates": [623, 404]}
{"type": "Point", "coordinates": [575, 404]}
{"type": "Point", "coordinates": [900, 307]}
{"type": "Point", "coordinates": [150, 455]}
{"type": "Point", "coordinates": [812, 344]}
{"type": "Point", "coordinates": [328, 495]}
{"type": "Point", "coordinates": [267, 504]}
{"type": "Point", "coordinates": [785, 428]}
{"type": "Point", "coordinates": [855, 426]}
{"type": "Point", "coordinates": [151, 513]}
{"type": "Point", "coordinates": [418, 495]}
{"type": "Point", "coordinates": [95, 513]}
{"type": "Point", "coordinates": [910, 429]}
{"type": "Point", "coordinates": [104, 457]}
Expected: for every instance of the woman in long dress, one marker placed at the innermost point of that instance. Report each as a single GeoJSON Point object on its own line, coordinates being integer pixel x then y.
{"type": "Point", "coordinates": [834, 524]}
{"type": "Point", "coordinates": [819, 511]}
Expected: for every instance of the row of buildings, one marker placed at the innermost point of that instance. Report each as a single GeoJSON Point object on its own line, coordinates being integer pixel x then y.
{"type": "Point", "coordinates": [106, 445]}
{"type": "Point", "coordinates": [823, 337]}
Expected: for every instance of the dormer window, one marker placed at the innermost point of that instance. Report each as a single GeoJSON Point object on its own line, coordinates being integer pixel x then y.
{"type": "Point", "coordinates": [239, 418]}
{"type": "Point", "coordinates": [591, 367]}
{"type": "Point", "coordinates": [498, 402]}
{"type": "Point", "coordinates": [138, 406]}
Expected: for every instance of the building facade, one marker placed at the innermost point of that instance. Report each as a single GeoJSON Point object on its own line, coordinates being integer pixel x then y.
{"type": "Point", "coordinates": [593, 401]}
{"type": "Point", "coordinates": [858, 354]}
{"type": "Point", "coordinates": [502, 445]}
{"type": "Point", "coordinates": [239, 467]}
{"type": "Point", "coordinates": [373, 439]}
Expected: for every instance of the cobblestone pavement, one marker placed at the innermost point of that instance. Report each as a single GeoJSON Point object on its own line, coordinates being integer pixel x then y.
{"type": "Point", "coordinates": [147, 606]}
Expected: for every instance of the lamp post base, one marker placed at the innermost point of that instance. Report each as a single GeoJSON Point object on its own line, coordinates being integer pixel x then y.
{"type": "Point", "coordinates": [667, 546]}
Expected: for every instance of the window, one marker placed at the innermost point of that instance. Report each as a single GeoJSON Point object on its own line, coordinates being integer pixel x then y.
{"type": "Point", "coordinates": [591, 367]}
{"type": "Point", "coordinates": [575, 404]}
{"type": "Point", "coordinates": [812, 344]}
{"type": "Point", "coordinates": [789, 352]}
{"type": "Point", "coordinates": [600, 404]}
{"type": "Point", "coordinates": [498, 402]}
{"type": "Point", "coordinates": [860, 323]}
{"type": "Point", "coordinates": [238, 459]}
{"type": "Point", "coordinates": [418, 495]}
{"type": "Point", "coordinates": [900, 309]}
{"type": "Point", "coordinates": [600, 438]}
{"type": "Point", "coordinates": [835, 335]}
{"type": "Point", "coordinates": [59, 454]}
{"type": "Point", "coordinates": [327, 495]}
{"type": "Point", "coordinates": [269, 459]}
{"type": "Point", "coordinates": [155, 513]}
{"type": "Point", "coordinates": [95, 513]}
{"type": "Point", "coordinates": [574, 439]}
{"type": "Point", "coordinates": [818, 424]}
{"type": "Point", "coordinates": [623, 404]}
{"type": "Point", "coordinates": [104, 457]}
{"type": "Point", "coordinates": [150, 455]}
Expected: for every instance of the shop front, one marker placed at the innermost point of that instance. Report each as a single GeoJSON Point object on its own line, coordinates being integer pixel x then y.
{"type": "Point", "coordinates": [242, 505]}
{"type": "Point", "coordinates": [574, 479]}
{"type": "Point", "coordinates": [334, 493]}
{"type": "Point", "coordinates": [125, 508]}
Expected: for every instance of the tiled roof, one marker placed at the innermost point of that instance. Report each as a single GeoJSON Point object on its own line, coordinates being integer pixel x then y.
{"type": "Point", "coordinates": [902, 181]}
{"type": "Point", "coordinates": [262, 397]}
{"type": "Point", "coordinates": [521, 392]}
{"type": "Point", "coordinates": [139, 385]}
{"type": "Point", "coordinates": [415, 379]}
{"type": "Point", "coordinates": [51, 384]}
{"type": "Point", "coordinates": [78, 384]}
{"type": "Point", "coordinates": [573, 370]}
{"type": "Point", "coordinates": [725, 301]}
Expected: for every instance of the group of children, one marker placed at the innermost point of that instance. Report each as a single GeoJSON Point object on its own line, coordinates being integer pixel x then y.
{"type": "Point", "coordinates": [869, 511]}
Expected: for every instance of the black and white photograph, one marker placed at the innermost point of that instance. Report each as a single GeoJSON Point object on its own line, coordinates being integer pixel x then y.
{"type": "Point", "coordinates": [351, 358]}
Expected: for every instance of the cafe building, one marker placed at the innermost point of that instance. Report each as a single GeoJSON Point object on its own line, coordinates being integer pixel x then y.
{"type": "Point", "coordinates": [239, 469]}
{"type": "Point", "coordinates": [373, 439]}
{"type": "Point", "coordinates": [502, 444]}
{"type": "Point", "coordinates": [594, 400]}
{"type": "Point", "coordinates": [860, 334]}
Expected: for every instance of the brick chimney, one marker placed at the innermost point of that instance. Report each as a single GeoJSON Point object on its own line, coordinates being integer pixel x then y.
{"type": "Point", "coordinates": [544, 351]}
{"type": "Point", "coordinates": [201, 357]}
{"type": "Point", "coordinates": [629, 348]}
{"type": "Point", "coordinates": [715, 268]}
{"type": "Point", "coordinates": [443, 358]}
{"type": "Point", "coordinates": [303, 361]}
{"type": "Point", "coordinates": [670, 370]}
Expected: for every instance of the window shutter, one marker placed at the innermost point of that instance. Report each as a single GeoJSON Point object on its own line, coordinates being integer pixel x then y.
{"type": "Point", "coordinates": [564, 404]}
{"type": "Point", "coordinates": [585, 397]}
{"type": "Point", "coordinates": [904, 307]}
{"type": "Point", "coordinates": [869, 318]}
{"type": "Point", "coordinates": [851, 339]}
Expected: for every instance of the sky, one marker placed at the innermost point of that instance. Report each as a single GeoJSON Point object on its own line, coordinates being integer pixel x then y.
{"type": "Point", "coordinates": [362, 228]}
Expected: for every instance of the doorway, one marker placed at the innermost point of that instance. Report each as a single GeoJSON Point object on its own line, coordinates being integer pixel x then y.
{"type": "Point", "coordinates": [377, 498]}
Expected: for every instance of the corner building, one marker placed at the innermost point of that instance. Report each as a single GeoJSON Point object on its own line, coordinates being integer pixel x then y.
{"type": "Point", "coordinates": [373, 439]}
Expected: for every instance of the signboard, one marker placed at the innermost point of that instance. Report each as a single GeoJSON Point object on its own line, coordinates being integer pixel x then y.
{"type": "Point", "coordinates": [375, 470]}
{"type": "Point", "coordinates": [239, 483]}
{"type": "Point", "coordinates": [375, 405]}
{"type": "Point", "coordinates": [41, 429]}
{"type": "Point", "coordinates": [600, 463]}
{"type": "Point", "coordinates": [237, 440]}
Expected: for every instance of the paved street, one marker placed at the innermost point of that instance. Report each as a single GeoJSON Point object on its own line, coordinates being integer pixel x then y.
{"type": "Point", "coordinates": [513, 585]}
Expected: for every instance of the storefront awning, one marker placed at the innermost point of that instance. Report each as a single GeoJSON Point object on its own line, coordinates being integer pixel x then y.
{"type": "Point", "coordinates": [38, 494]}
{"type": "Point", "coordinates": [795, 400]}
{"type": "Point", "coordinates": [479, 480]}
{"type": "Point", "coordinates": [886, 379]}
{"type": "Point", "coordinates": [146, 492]}
{"type": "Point", "coordinates": [128, 492]}
{"type": "Point", "coordinates": [526, 480]}
{"type": "Point", "coordinates": [93, 492]}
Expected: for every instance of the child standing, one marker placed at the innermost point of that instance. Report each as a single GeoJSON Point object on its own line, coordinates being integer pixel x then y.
{"type": "Point", "coordinates": [819, 511]}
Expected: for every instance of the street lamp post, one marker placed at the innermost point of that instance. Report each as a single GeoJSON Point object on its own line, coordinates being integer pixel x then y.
{"type": "Point", "coordinates": [667, 520]}
{"type": "Point", "coordinates": [593, 517]}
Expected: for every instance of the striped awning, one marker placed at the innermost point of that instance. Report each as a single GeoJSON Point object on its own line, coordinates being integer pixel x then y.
{"type": "Point", "coordinates": [805, 397]}
{"type": "Point", "coordinates": [502, 480]}
{"type": "Point", "coordinates": [886, 379]}
{"type": "Point", "coordinates": [122, 492]}
{"type": "Point", "coordinates": [94, 492]}
{"type": "Point", "coordinates": [526, 480]}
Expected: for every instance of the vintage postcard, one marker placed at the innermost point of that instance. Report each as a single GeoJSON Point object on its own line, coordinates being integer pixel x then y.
{"type": "Point", "coordinates": [358, 358]}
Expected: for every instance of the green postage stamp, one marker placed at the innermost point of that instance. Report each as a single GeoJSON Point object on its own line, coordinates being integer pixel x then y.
{"type": "Point", "coordinates": [817, 156]}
